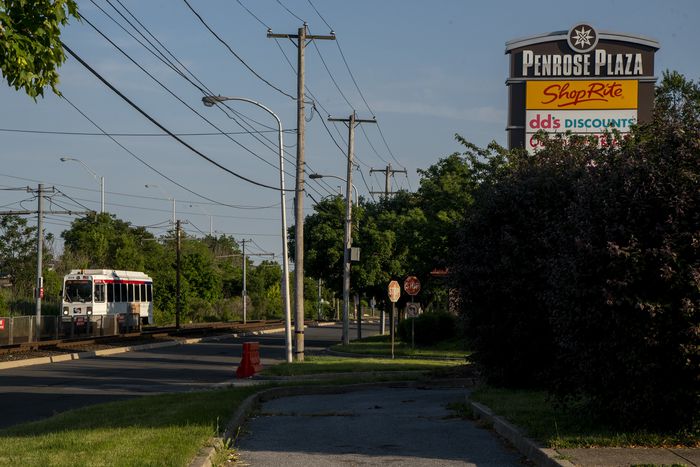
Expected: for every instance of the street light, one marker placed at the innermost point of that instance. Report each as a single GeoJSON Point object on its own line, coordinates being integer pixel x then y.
{"type": "Point", "coordinates": [210, 101]}
{"type": "Point", "coordinates": [211, 218]}
{"type": "Point", "coordinates": [99, 178]}
{"type": "Point", "coordinates": [346, 253]}
{"type": "Point", "coordinates": [171, 198]}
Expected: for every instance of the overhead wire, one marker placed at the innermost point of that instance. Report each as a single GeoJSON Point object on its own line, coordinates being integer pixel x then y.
{"type": "Point", "coordinates": [182, 101]}
{"type": "Point", "coordinates": [352, 76]}
{"type": "Point", "coordinates": [201, 87]}
{"type": "Point", "coordinates": [159, 125]}
{"type": "Point", "coordinates": [138, 135]}
{"type": "Point", "coordinates": [228, 47]}
{"type": "Point", "coordinates": [212, 202]}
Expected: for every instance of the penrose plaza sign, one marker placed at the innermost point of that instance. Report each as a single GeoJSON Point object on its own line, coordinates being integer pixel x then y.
{"type": "Point", "coordinates": [580, 81]}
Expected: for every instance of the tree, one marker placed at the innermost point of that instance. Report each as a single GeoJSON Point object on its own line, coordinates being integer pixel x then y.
{"type": "Point", "coordinates": [103, 241]}
{"type": "Point", "coordinates": [18, 254]}
{"type": "Point", "coordinates": [30, 42]}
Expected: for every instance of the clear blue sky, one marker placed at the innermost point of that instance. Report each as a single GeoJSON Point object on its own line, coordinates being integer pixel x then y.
{"type": "Point", "coordinates": [427, 70]}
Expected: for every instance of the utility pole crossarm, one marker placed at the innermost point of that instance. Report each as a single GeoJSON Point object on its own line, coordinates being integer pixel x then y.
{"type": "Point", "coordinates": [357, 120]}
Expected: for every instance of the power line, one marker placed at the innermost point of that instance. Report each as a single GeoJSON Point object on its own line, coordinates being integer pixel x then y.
{"type": "Point", "coordinates": [234, 53]}
{"type": "Point", "coordinates": [87, 133]}
{"type": "Point", "coordinates": [178, 98]}
{"type": "Point", "coordinates": [291, 12]}
{"type": "Point", "coordinates": [201, 88]}
{"type": "Point", "coordinates": [159, 125]}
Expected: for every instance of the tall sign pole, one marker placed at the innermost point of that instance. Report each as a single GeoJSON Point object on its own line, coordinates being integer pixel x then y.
{"type": "Point", "coordinates": [302, 37]}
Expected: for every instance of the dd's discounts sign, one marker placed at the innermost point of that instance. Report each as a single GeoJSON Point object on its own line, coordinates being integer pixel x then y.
{"type": "Point", "coordinates": [579, 81]}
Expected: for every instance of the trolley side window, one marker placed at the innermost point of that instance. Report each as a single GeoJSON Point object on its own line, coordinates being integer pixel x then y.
{"type": "Point", "coordinates": [131, 292]}
{"type": "Point", "coordinates": [143, 292]}
{"type": "Point", "coordinates": [122, 287]}
{"type": "Point", "coordinates": [99, 292]}
{"type": "Point", "coordinates": [137, 293]}
{"type": "Point", "coordinates": [149, 291]}
{"type": "Point", "coordinates": [110, 292]}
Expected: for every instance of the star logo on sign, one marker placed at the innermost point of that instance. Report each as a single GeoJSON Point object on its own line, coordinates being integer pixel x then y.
{"type": "Point", "coordinates": [582, 37]}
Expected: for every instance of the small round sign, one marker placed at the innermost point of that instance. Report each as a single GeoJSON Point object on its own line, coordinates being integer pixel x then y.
{"type": "Point", "coordinates": [411, 285]}
{"type": "Point", "coordinates": [394, 291]}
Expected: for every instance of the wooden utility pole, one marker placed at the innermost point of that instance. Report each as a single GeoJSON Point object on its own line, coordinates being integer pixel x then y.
{"type": "Point", "coordinates": [39, 257]}
{"type": "Point", "coordinates": [178, 248]}
{"type": "Point", "coordinates": [388, 172]}
{"type": "Point", "coordinates": [244, 292]}
{"type": "Point", "coordinates": [301, 37]}
{"type": "Point", "coordinates": [352, 122]}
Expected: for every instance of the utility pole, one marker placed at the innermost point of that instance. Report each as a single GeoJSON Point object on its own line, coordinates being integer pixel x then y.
{"type": "Point", "coordinates": [388, 172]}
{"type": "Point", "coordinates": [302, 37]}
{"type": "Point", "coordinates": [178, 247]}
{"type": "Point", "coordinates": [39, 257]}
{"type": "Point", "coordinates": [244, 293]}
{"type": "Point", "coordinates": [352, 122]}
{"type": "Point", "coordinates": [40, 243]}
{"type": "Point", "coordinates": [245, 290]}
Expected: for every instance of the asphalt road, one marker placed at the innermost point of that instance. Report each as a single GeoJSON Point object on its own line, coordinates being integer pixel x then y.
{"type": "Point", "coordinates": [40, 391]}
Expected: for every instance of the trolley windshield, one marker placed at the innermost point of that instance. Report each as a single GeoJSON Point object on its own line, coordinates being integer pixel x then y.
{"type": "Point", "coordinates": [78, 291]}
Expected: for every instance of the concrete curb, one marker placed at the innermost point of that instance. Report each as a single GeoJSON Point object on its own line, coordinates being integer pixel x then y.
{"type": "Point", "coordinates": [117, 350]}
{"type": "Point", "coordinates": [399, 357]}
{"type": "Point", "coordinates": [543, 457]}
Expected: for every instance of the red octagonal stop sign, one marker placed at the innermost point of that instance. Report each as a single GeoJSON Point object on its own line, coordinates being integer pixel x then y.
{"type": "Point", "coordinates": [411, 285]}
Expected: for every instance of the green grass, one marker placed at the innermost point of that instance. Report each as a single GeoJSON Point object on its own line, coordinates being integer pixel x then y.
{"type": "Point", "coordinates": [166, 429]}
{"type": "Point", "coordinates": [153, 430]}
{"type": "Point", "coordinates": [558, 427]}
{"type": "Point", "coordinates": [324, 364]}
{"type": "Point", "coordinates": [381, 345]}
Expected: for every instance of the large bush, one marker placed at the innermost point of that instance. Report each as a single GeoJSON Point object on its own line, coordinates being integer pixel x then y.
{"type": "Point", "coordinates": [429, 328]}
{"type": "Point", "coordinates": [580, 270]}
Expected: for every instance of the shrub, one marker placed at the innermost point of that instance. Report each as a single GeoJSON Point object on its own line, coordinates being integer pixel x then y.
{"type": "Point", "coordinates": [430, 328]}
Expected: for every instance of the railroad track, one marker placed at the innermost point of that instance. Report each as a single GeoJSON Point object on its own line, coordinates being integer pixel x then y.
{"type": "Point", "coordinates": [151, 334]}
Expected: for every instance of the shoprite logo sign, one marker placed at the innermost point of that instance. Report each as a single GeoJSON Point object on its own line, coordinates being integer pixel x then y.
{"type": "Point", "coordinates": [604, 94]}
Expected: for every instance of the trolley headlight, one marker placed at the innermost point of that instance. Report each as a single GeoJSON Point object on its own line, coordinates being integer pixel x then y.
{"type": "Point", "coordinates": [65, 310]}
{"type": "Point", "coordinates": [89, 310]}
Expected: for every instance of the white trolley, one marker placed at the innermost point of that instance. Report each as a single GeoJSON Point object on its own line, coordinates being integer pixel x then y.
{"type": "Point", "coordinates": [108, 297]}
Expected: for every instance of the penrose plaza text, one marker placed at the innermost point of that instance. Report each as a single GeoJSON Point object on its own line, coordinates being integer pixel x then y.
{"type": "Point", "coordinates": [596, 63]}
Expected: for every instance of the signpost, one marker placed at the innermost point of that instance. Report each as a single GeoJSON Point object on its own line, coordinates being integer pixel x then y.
{"type": "Point", "coordinates": [412, 286]}
{"type": "Point", "coordinates": [394, 294]}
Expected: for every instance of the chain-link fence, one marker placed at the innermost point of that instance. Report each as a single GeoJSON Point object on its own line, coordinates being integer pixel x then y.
{"type": "Point", "coordinates": [20, 329]}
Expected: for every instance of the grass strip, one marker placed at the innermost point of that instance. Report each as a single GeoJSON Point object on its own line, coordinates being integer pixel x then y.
{"type": "Point", "coordinates": [560, 427]}
{"type": "Point", "coordinates": [325, 364]}
{"type": "Point", "coordinates": [381, 345]}
{"type": "Point", "coordinates": [153, 430]}
{"type": "Point", "coordinates": [167, 429]}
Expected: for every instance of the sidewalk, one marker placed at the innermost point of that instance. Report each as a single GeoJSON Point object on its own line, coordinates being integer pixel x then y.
{"type": "Point", "coordinates": [329, 425]}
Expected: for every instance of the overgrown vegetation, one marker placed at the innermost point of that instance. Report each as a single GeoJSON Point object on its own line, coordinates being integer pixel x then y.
{"type": "Point", "coordinates": [579, 269]}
